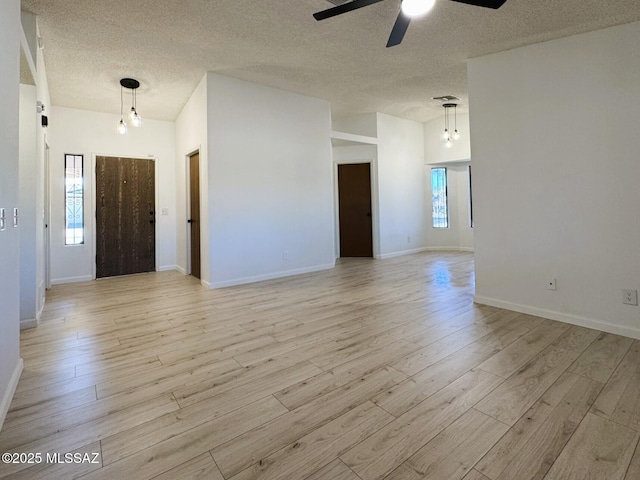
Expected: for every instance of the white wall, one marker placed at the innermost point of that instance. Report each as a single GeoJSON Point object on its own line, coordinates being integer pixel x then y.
{"type": "Point", "coordinates": [270, 182]}
{"type": "Point", "coordinates": [402, 186]}
{"type": "Point", "coordinates": [365, 125]}
{"type": "Point", "coordinates": [10, 361]}
{"type": "Point", "coordinates": [191, 136]}
{"type": "Point", "coordinates": [92, 133]}
{"type": "Point", "coordinates": [556, 168]}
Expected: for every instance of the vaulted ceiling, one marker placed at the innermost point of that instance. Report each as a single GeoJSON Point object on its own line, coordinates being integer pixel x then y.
{"type": "Point", "coordinates": [168, 45]}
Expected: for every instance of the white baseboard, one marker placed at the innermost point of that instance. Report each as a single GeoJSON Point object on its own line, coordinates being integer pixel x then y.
{"type": "Point", "coordinates": [268, 276]}
{"type": "Point", "coordinates": [168, 268]}
{"type": "Point", "coordinates": [28, 323]}
{"type": "Point", "coordinates": [561, 317]}
{"type": "Point", "coordinates": [62, 281]}
{"type": "Point", "coordinates": [32, 322]}
{"type": "Point", "coordinates": [401, 253]}
{"type": "Point", "coordinates": [11, 389]}
{"type": "Point", "coordinates": [450, 249]}
{"type": "Point", "coordinates": [180, 269]}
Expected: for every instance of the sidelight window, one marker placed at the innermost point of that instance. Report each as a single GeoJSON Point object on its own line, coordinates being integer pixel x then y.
{"type": "Point", "coordinates": [439, 197]}
{"type": "Point", "coordinates": [74, 200]}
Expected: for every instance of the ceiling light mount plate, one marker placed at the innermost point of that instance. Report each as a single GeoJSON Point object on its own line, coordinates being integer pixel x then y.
{"type": "Point", "coordinates": [130, 83]}
{"type": "Point", "coordinates": [447, 98]}
{"type": "Point", "coordinates": [449, 105]}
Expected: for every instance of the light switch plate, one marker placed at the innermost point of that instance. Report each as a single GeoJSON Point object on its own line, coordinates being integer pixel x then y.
{"type": "Point", "coordinates": [15, 218]}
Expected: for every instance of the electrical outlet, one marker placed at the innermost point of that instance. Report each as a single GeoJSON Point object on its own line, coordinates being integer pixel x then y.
{"type": "Point", "coordinates": [551, 284]}
{"type": "Point", "coordinates": [285, 255]}
{"type": "Point", "coordinates": [630, 297]}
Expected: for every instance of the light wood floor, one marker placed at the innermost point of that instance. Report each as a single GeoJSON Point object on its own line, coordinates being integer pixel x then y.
{"type": "Point", "coordinates": [373, 370]}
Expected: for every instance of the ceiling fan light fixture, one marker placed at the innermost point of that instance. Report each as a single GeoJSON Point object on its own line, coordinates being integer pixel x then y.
{"type": "Point", "coordinates": [417, 8]}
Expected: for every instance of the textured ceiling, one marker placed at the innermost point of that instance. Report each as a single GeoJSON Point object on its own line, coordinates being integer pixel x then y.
{"type": "Point", "coordinates": [168, 45]}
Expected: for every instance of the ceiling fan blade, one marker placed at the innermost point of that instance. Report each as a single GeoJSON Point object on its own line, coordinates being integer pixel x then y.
{"type": "Point", "coordinates": [399, 29]}
{"type": "Point", "coordinates": [344, 8]}
{"type": "Point", "coordinates": [495, 4]}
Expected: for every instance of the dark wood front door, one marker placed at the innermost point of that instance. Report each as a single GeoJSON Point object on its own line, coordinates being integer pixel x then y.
{"type": "Point", "coordinates": [125, 216]}
{"type": "Point", "coordinates": [194, 209]}
{"type": "Point", "coordinates": [354, 196]}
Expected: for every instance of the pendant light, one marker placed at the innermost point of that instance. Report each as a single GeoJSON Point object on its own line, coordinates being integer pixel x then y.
{"type": "Point", "coordinates": [134, 116]}
{"type": "Point", "coordinates": [447, 136]}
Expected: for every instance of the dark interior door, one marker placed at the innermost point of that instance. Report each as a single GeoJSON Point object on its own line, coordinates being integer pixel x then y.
{"type": "Point", "coordinates": [125, 216]}
{"type": "Point", "coordinates": [194, 209]}
{"type": "Point", "coordinates": [354, 196]}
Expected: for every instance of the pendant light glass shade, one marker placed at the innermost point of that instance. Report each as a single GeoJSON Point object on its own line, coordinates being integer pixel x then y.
{"type": "Point", "coordinates": [136, 120]}
{"type": "Point", "coordinates": [122, 127]}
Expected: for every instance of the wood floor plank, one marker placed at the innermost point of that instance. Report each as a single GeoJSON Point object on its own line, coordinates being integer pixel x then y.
{"type": "Point", "coordinates": [409, 393]}
{"type": "Point", "coordinates": [27, 412]}
{"type": "Point", "coordinates": [335, 470]}
{"type": "Point", "coordinates": [251, 447]}
{"type": "Point", "coordinates": [633, 472]}
{"type": "Point", "coordinates": [432, 353]}
{"type": "Point", "coordinates": [621, 387]}
{"type": "Point", "coordinates": [94, 430]}
{"type": "Point", "coordinates": [514, 397]}
{"type": "Point", "coordinates": [475, 475]}
{"type": "Point", "coordinates": [599, 449]}
{"type": "Point", "coordinates": [323, 383]}
{"type": "Point", "coordinates": [514, 356]}
{"type": "Point", "coordinates": [503, 452]}
{"type": "Point", "coordinates": [195, 440]}
{"type": "Point", "coordinates": [200, 468]}
{"type": "Point", "coordinates": [389, 447]}
{"type": "Point", "coordinates": [241, 406]}
{"type": "Point", "coordinates": [542, 447]}
{"type": "Point", "coordinates": [602, 357]}
{"type": "Point", "coordinates": [271, 375]}
{"type": "Point", "coordinates": [454, 451]}
{"type": "Point", "coordinates": [319, 447]}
